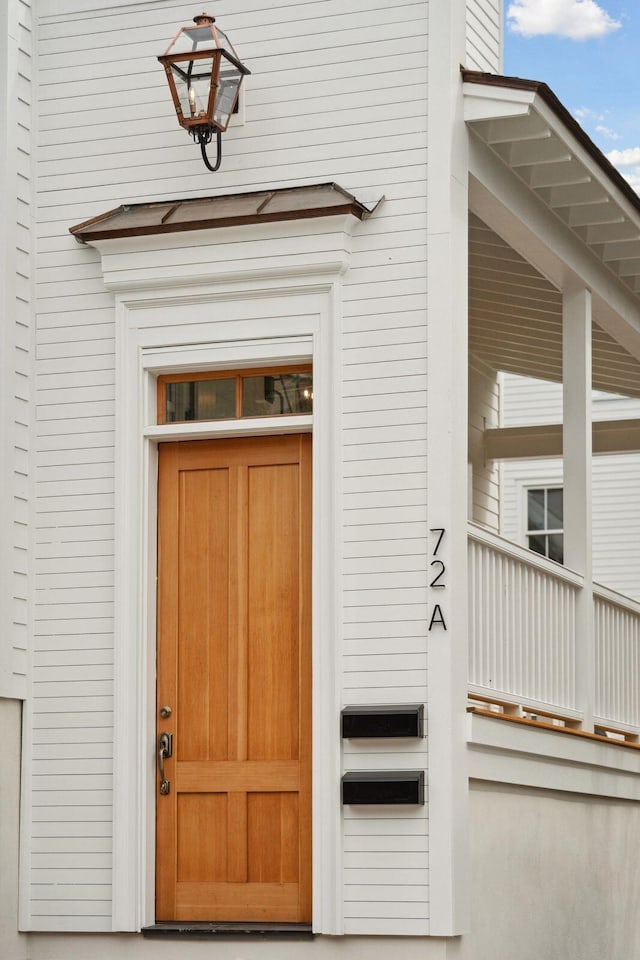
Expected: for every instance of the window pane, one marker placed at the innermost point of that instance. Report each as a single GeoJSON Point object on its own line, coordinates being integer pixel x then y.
{"type": "Point", "coordinates": [200, 400]}
{"type": "Point", "coordinates": [535, 511]}
{"type": "Point", "coordinates": [538, 544]}
{"type": "Point", "coordinates": [554, 509]}
{"type": "Point", "coordinates": [276, 394]}
{"type": "Point", "coordinates": [556, 551]}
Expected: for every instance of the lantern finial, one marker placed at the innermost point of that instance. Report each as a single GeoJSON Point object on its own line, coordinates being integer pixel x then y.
{"type": "Point", "coordinates": [203, 18]}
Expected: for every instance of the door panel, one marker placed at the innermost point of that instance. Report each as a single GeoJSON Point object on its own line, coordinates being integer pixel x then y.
{"type": "Point", "coordinates": [233, 835]}
{"type": "Point", "coordinates": [273, 575]}
{"type": "Point", "coordinates": [203, 558]}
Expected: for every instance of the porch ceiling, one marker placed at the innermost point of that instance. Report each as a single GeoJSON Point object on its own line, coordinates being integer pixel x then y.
{"type": "Point", "coordinates": [515, 319]}
{"type": "Point", "coordinates": [524, 123]}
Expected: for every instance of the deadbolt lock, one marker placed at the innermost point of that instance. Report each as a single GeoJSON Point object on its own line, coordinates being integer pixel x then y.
{"type": "Point", "coordinates": [165, 712]}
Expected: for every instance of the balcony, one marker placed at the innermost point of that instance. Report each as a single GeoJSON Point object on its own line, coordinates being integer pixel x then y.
{"type": "Point", "coordinates": [529, 656]}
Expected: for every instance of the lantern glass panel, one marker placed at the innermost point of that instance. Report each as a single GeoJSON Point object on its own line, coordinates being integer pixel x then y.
{"type": "Point", "coordinates": [193, 82]}
{"type": "Point", "coordinates": [227, 94]}
{"type": "Point", "coordinates": [225, 43]}
{"type": "Point", "coordinates": [193, 39]}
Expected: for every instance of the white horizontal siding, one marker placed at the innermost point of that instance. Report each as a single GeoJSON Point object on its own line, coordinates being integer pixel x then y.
{"type": "Point", "coordinates": [385, 553]}
{"type": "Point", "coordinates": [484, 35]}
{"type": "Point", "coordinates": [325, 102]}
{"type": "Point", "coordinates": [616, 481]}
{"type": "Point", "coordinates": [616, 523]}
{"type": "Point", "coordinates": [529, 401]}
{"type": "Point", "coordinates": [386, 862]}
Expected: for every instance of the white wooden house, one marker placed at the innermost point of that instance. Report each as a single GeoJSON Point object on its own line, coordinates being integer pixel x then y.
{"type": "Point", "coordinates": [187, 550]}
{"type": "Point", "coordinates": [615, 481]}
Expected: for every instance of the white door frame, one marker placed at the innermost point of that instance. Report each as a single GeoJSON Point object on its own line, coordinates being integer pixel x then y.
{"type": "Point", "coordinates": [249, 323]}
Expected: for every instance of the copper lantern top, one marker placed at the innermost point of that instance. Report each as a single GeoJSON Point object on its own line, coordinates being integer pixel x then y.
{"type": "Point", "coordinates": [196, 39]}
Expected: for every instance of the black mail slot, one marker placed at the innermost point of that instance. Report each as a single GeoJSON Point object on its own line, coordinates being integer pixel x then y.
{"type": "Point", "coordinates": [383, 786]}
{"type": "Point", "coordinates": [385, 720]}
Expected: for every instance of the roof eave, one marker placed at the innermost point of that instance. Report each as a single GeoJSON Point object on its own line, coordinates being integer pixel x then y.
{"type": "Point", "coordinates": [528, 91]}
{"type": "Point", "coordinates": [535, 136]}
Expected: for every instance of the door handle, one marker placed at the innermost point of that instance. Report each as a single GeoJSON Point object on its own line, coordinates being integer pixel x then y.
{"type": "Point", "coordinates": [165, 750]}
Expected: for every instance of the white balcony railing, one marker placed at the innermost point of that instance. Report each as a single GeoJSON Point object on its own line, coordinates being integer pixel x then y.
{"type": "Point", "coordinates": [522, 636]}
{"type": "Point", "coordinates": [617, 646]}
{"type": "Point", "coordinates": [522, 623]}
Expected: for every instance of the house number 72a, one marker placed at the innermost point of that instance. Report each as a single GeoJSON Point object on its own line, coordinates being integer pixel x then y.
{"type": "Point", "coordinates": [437, 581]}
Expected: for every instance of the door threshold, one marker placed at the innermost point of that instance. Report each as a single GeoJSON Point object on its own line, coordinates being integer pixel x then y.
{"type": "Point", "coordinates": [199, 930]}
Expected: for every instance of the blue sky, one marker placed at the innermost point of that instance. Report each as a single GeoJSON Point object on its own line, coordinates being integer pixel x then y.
{"type": "Point", "coordinates": [588, 51]}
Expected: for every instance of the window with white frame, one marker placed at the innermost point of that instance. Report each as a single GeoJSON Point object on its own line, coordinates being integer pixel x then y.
{"type": "Point", "coordinates": [544, 522]}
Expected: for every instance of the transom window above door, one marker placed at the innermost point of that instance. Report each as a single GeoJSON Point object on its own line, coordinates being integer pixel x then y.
{"type": "Point", "coordinates": [234, 394]}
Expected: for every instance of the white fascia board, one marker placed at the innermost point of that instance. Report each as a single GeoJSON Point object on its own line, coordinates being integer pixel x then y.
{"type": "Point", "coordinates": [522, 219]}
{"type": "Point", "coordinates": [494, 103]}
{"type": "Point", "coordinates": [513, 753]}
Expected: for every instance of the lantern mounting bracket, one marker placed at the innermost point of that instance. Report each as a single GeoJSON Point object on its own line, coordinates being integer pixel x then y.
{"type": "Point", "coordinates": [203, 134]}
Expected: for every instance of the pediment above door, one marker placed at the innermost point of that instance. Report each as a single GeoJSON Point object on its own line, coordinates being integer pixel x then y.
{"type": "Point", "coordinates": [285, 232]}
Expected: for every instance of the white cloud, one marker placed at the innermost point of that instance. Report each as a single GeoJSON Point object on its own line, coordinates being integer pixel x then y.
{"type": "Point", "coordinates": [628, 164]}
{"type": "Point", "coordinates": [576, 19]}
{"type": "Point", "coordinates": [607, 132]}
{"type": "Point", "coordinates": [625, 158]}
{"type": "Point", "coordinates": [585, 113]}
{"type": "Point", "coordinates": [592, 119]}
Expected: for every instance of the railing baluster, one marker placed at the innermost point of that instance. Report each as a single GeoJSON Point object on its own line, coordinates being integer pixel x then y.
{"type": "Point", "coordinates": [617, 637]}
{"type": "Point", "coordinates": [522, 641]}
{"type": "Point", "coordinates": [522, 622]}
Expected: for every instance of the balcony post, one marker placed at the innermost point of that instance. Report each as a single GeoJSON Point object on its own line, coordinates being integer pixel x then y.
{"type": "Point", "coordinates": [577, 453]}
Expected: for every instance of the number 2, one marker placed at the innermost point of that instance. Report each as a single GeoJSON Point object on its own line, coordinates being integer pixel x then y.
{"type": "Point", "coordinates": [438, 576]}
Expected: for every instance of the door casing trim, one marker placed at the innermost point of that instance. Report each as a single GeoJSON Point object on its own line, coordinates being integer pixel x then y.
{"type": "Point", "coordinates": [169, 332]}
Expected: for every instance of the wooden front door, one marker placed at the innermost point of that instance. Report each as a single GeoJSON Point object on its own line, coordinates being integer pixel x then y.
{"type": "Point", "coordinates": [234, 625]}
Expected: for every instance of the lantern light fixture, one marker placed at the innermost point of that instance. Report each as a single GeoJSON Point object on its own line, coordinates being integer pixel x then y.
{"type": "Point", "coordinates": [204, 76]}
